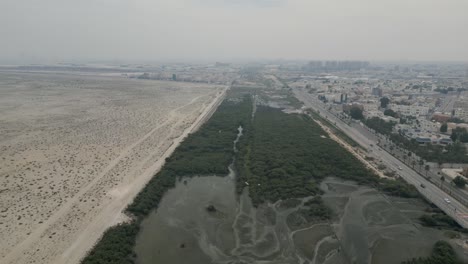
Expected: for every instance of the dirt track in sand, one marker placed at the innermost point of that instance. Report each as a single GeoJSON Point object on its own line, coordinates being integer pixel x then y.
{"type": "Point", "coordinates": [76, 150]}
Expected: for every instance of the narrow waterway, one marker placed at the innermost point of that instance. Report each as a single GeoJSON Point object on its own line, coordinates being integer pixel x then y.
{"type": "Point", "coordinates": [202, 221]}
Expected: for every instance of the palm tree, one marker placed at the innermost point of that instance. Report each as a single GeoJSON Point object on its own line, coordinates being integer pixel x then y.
{"type": "Point", "coordinates": [413, 163]}
{"type": "Point", "coordinates": [427, 168]}
{"type": "Point", "coordinates": [421, 163]}
{"type": "Point", "coordinates": [442, 179]}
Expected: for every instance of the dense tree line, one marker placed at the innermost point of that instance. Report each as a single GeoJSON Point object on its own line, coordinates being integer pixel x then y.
{"type": "Point", "coordinates": [115, 246]}
{"type": "Point", "coordinates": [398, 188]}
{"type": "Point", "coordinates": [459, 181]}
{"type": "Point", "coordinates": [453, 153]}
{"type": "Point", "coordinates": [208, 151]}
{"type": "Point", "coordinates": [444, 128]}
{"type": "Point", "coordinates": [384, 101]}
{"type": "Point", "coordinates": [285, 156]}
{"type": "Point", "coordinates": [356, 113]}
{"type": "Point", "coordinates": [439, 219]}
{"type": "Point", "coordinates": [449, 89]}
{"type": "Point", "coordinates": [459, 134]}
{"type": "Point", "coordinates": [442, 253]}
{"type": "Point", "coordinates": [380, 125]}
{"type": "Point", "coordinates": [333, 128]}
{"type": "Point", "coordinates": [390, 112]}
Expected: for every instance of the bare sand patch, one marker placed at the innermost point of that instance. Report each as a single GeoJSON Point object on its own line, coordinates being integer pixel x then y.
{"type": "Point", "coordinates": [75, 150]}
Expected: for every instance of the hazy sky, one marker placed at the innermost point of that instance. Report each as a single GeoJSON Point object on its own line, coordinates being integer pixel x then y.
{"type": "Point", "coordinates": [229, 29]}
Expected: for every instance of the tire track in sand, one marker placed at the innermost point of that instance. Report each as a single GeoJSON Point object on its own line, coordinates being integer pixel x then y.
{"type": "Point", "coordinates": [21, 247]}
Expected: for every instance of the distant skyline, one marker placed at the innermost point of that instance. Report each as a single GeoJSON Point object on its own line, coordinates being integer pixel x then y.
{"type": "Point", "coordinates": [50, 31]}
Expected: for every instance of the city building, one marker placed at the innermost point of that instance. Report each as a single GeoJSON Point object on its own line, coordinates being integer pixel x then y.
{"type": "Point", "coordinates": [410, 110]}
{"type": "Point", "coordinates": [461, 110]}
{"type": "Point", "coordinates": [377, 92]}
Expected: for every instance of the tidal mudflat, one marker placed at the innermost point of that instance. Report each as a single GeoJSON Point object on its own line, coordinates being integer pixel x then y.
{"type": "Point", "coordinates": [203, 221]}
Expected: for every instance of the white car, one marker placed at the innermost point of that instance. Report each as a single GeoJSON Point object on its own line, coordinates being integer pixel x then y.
{"type": "Point", "coordinates": [446, 200]}
{"type": "Point", "coordinates": [400, 168]}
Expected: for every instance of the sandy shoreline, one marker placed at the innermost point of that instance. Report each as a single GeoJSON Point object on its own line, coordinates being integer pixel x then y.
{"type": "Point", "coordinates": [105, 144]}
{"type": "Point", "coordinates": [113, 213]}
{"type": "Point", "coordinates": [349, 148]}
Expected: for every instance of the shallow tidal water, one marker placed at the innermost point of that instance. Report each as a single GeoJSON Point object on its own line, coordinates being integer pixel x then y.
{"type": "Point", "coordinates": [183, 229]}
{"type": "Point", "coordinates": [202, 221]}
{"type": "Point", "coordinates": [368, 227]}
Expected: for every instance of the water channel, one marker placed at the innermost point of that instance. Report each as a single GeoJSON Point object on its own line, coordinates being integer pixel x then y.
{"type": "Point", "coordinates": [202, 220]}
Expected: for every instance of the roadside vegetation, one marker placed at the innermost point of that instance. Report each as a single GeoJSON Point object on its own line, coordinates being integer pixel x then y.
{"type": "Point", "coordinates": [398, 188]}
{"type": "Point", "coordinates": [436, 218]}
{"type": "Point", "coordinates": [335, 130]}
{"type": "Point", "coordinates": [285, 156]}
{"type": "Point", "coordinates": [442, 253]}
{"type": "Point", "coordinates": [206, 152]}
{"type": "Point", "coordinates": [453, 153]}
{"type": "Point", "coordinates": [276, 166]}
{"type": "Point", "coordinates": [439, 220]}
{"type": "Point", "coordinates": [379, 125]}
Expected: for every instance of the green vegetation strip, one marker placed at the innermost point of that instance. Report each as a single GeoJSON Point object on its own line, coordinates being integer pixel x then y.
{"type": "Point", "coordinates": [436, 218]}
{"type": "Point", "coordinates": [335, 129]}
{"type": "Point", "coordinates": [285, 156]}
{"type": "Point", "coordinates": [453, 153]}
{"type": "Point", "coordinates": [208, 151]}
{"type": "Point", "coordinates": [281, 156]}
{"type": "Point", "coordinates": [442, 253]}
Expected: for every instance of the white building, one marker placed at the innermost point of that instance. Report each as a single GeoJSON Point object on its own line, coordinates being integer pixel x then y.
{"type": "Point", "coordinates": [373, 113]}
{"type": "Point", "coordinates": [410, 110]}
{"type": "Point", "coordinates": [428, 126]}
{"type": "Point", "coordinates": [461, 112]}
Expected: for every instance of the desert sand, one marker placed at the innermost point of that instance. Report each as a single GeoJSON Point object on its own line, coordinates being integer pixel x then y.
{"type": "Point", "coordinates": [75, 150]}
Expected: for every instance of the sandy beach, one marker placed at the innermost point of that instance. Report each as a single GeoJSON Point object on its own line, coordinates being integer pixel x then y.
{"type": "Point", "coordinates": [75, 150]}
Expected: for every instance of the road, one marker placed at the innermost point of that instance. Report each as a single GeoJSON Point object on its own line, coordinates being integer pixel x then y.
{"type": "Point", "coordinates": [454, 209]}
{"type": "Point", "coordinates": [447, 104]}
{"type": "Point", "coordinates": [432, 175]}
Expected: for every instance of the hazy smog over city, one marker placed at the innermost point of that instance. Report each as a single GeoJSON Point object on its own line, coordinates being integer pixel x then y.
{"type": "Point", "coordinates": [234, 132]}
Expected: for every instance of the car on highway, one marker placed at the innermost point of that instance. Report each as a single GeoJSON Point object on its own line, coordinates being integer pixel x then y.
{"type": "Point", "coordinates": [400, 168]}
{"type": "Point", "coordinates": [423, 186]}
{"type": "Point", "coordinates": [447, 200]}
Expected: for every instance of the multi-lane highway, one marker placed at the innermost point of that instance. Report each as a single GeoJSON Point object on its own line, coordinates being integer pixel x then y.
{"type": "Point", "coordinates": [453, 208]}
{"type": "Point", "coordinates": [447, 104]}
{"type": "Point", "coordinates": [432, 175]}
